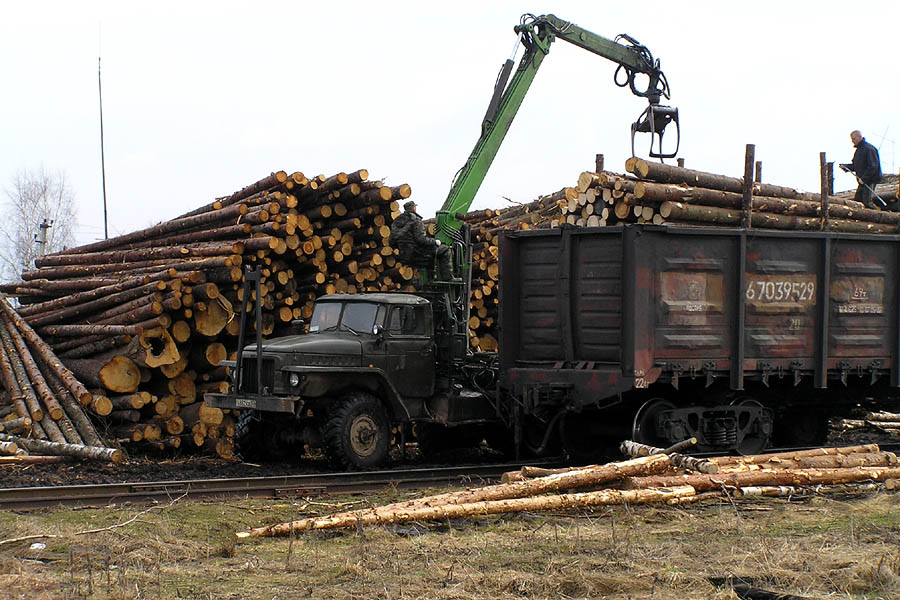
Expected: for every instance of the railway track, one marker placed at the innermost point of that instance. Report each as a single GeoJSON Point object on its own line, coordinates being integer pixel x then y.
{"type": "Point", "coordinates": [259, 487]}
{"type": "Point", "coordinates": [281, 486]}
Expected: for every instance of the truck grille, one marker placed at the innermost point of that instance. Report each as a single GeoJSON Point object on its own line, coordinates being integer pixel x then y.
{"type": "Point", "coordinates": [248, 375]}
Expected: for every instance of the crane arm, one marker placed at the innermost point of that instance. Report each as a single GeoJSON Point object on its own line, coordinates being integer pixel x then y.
{"type": "Point", "coordinates": [536, 34]}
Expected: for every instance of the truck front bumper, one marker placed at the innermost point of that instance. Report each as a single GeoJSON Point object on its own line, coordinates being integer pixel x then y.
{"type": "Point", "coordinates": [282, 404]}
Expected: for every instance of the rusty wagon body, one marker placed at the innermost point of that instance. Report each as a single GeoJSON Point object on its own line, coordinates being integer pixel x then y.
{"type": "Point", "coordinates": [730, 335]}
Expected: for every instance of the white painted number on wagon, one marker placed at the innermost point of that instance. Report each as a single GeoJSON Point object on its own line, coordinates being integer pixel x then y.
{"type": "Point", "coordinates": [770, 290]}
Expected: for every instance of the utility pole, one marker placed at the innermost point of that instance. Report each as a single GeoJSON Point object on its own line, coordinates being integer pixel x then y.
{"type": "Point", "coordinates": [102, 158]}
{"type": "Point", "coordinates": [40, 238]}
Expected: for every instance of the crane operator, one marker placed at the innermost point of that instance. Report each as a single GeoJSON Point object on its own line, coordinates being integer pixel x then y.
{"type": "Point", "coordinates": [416, 248]}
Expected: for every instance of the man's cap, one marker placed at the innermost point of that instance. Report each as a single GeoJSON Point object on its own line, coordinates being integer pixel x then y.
{"type": "Point", "coordinates": [409, 205]}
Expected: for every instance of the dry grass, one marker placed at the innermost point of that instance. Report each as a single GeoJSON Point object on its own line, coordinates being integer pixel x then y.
{"type": "Point", "coordinates": [819, 548]}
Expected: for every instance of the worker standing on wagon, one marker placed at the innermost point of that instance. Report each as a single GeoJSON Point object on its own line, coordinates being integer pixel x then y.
{"type": "Point", "coordinates": [866, 165]}
{"type": "Point", "coordinates": [416, 248]}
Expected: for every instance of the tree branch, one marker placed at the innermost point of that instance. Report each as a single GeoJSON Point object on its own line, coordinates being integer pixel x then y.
{"type": "Point", "coordinates": [50, 536]}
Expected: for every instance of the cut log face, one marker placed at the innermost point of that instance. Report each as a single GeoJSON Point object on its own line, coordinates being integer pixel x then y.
{"type": "Point", "coordinates": [157, 348]}
{"type": "Point", "coordinates": [212, 320]}
{"type": "Point", "coordinates": [120, 375]}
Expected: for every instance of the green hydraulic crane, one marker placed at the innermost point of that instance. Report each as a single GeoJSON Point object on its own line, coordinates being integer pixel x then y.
{"type": "Point", "coordinates": [536, 34]}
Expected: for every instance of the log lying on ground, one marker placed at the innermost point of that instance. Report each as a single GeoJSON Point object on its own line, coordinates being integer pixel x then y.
{"type": "Point", "coordinates": [763, 458]}
{"type": "Point", "coordinates": [590, 476]}
{"type": "Point", "coordinates": [703, 483]}
{"type": "Point", "coordinates": [73, 450]}
{"type": "Point", "coordinates": [631, 448]}
{"type": "Point", "coordinates": [352, 520]}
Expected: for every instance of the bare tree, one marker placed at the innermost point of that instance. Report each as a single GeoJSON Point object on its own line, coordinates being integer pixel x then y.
{"type": "Point", "coordinates": [36, 198]}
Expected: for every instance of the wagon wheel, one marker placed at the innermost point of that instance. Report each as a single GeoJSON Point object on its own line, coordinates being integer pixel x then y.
{"type": "Point", "coordinates": [753, 437]}
{"type": "Point", "coordinates": [644, 430]}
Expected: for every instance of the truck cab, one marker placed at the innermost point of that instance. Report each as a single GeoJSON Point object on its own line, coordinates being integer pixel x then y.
{"type": "Point", "coordinates": [368, 365]}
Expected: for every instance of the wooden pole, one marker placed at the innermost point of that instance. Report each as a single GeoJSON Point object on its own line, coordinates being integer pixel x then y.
{"type": "Point", "coordinates": [823, 186]}
{"type": "Point", "coordinates": [748, 186]}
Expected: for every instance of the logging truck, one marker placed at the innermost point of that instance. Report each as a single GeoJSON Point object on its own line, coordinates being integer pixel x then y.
{"type": "Point", "coordinates": [371, 364]}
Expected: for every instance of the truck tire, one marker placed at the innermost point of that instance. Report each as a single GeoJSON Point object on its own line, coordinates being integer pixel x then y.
{"type": "Point", "coordinates": [358, 432]}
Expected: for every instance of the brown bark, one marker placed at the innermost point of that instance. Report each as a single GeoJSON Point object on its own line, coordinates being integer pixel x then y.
{"type": "Point", "coordinates": [128, 401]}
{"type": "Point", "coordinates": [23, 386]}
{"type": "Point", "coordinates": [671, 174]}
{"type": "Point", "coordinates": [34, 374]}
{"type": "Point", "coordinates": [199, 412]}
{"type": "Point", "coordinates": [18, 425]}
{"type": "Point", "coordinates": [82, 330]}
{"type": "Point", "coordinates": [94, 292]}
{"type": "Point", "coordinates": [96, 347]}
{"type": "Point", "coordinates": [163, 229]}
{"type": "Point", "coordinates": [92, 306]}
{"type": "Point", "coordinates": [658, 192]}
{"type": "Point", "coordinates": [117, 374]}
{"type": "Point", "coordinates": [679, 211]}
{"type": "Point", "coordinates": [124, 416]}
{"type": "Point", "coordinates": [73, 409]}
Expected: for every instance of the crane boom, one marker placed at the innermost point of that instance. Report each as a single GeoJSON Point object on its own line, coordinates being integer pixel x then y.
{"type": "Point", "coordinates": [536, 34]}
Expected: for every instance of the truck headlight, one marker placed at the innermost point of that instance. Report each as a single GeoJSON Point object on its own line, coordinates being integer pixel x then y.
{"type": "Point", "coordinates": [294, 379]}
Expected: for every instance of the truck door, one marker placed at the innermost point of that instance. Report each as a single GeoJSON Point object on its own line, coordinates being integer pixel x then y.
{"type": "Point", "coordinates": [410, 350]}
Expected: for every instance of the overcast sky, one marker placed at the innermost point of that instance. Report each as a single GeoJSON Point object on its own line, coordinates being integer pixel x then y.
{"type": "Point", "coordinates": [201, 99]}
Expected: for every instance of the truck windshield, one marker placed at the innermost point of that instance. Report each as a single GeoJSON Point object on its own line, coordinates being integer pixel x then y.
{"type": "Point", "coordinates": [357, 317]}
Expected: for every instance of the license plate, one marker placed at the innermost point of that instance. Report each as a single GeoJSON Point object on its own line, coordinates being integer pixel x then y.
{"type": "Point", "coordinates": [245, 403]}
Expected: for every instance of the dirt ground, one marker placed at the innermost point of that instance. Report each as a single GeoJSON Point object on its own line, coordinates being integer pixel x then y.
{"type": "Point", "coordinates": [813, 547]}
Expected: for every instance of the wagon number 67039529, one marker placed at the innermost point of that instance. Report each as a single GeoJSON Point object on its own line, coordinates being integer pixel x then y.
{"type": "Point", "coordinates": [768, 290]}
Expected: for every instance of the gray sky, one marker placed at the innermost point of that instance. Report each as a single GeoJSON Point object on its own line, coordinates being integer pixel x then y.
{"type": "Point", "coordinates": [201, 99]}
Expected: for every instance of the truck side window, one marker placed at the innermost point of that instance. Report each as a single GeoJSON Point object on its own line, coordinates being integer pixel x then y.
{"type": "Point", "coordinates": [406, 320]}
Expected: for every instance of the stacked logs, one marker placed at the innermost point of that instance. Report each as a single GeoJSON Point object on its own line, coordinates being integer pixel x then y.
{"type": "Point", "coordinates": [664, 194]}
{"type": "Point", "coordinates": [653, 476]}
{"type": "Point", "coordinates": [146, 318]}
{"type": "Point", "coordinates": [875, 422]}
{"type": "Point", "coordinates": [42, 411]}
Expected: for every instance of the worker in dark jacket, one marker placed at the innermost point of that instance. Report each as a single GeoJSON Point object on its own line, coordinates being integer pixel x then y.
{"type": "Point", "coordinates": [866, 166]}
{"type": "Point", "coordinates": [416, 248]}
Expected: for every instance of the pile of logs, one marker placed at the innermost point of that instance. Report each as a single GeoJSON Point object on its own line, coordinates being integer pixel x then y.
{"type": "Point", "coordinates": [665, 194]}
{"type": "Point", "coordinates": [145, 318]}
{"type": "Point", "coordinates": [42, 408]}
{"type": "Point", "coordinates": [654, 476]}
{"type": "Point", "coordinates": [877, 422]}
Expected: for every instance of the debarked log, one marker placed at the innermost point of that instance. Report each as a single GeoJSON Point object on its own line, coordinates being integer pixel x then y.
{"type": "Point", "coordinates": [449, 511]}
{"type": "Point", "coordinates": [766, 477]}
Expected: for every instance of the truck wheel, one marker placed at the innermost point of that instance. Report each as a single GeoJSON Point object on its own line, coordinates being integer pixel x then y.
{"type": "Point", "coordinates": [358, 432]}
